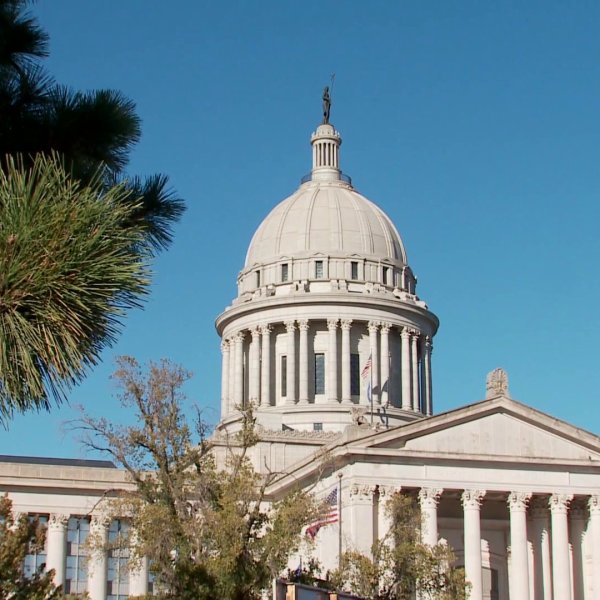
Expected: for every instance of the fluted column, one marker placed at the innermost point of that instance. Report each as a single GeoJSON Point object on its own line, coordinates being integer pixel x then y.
{"type": "Point", "coordinates": [405, 365]}
{"type": "Point", "coordinates": [384, 521]}
{"type": "Point", "coordinates": [428, 500]}
{"type": "Point", "coordinates": [594, 531]}
{"type": "Point", "coordinates": [414, 369]}
{"type": "Point", "coordinates": [374, 375]}
{"type": "Point", "coordinates": [519, 552]}
{"type": "Point", "coordinates": [57, 546]}
{"type": "Point", "coordinates": [303, 361]}
{"type": "Point", "coordinates": [238, 370]}
{"type": "Point", "coordinates": [577, 524]}
{"type": "Point", "coordinates": [426, 376]}
{"type": "Point", "coordinates": [224, 378]}
{"type": "Point", "coordinates": [331, 363]}
{"type": "Point", "coordinates": [265, 366]}
{"type": "Point", "coordinates": [561, 568]}
{"type": "Point", "coordinates": [254, 371]}
{"type": "Point", "coordinates": [471, 501]}
{"type": "Point", "coordinates": [346, 384]}
{"type": "Point", "coordinates": [97, 559]}
{"type": "Point", "coordinates": [290, 327]}
{"type": "Point", "coordinates": [231, 378]}
{"type": "Point", "coordinates": [361, 504]}
{"type": "Point", "coordinates": [542, 561]}
{"type": "Point", "coordinates": [385, 363]}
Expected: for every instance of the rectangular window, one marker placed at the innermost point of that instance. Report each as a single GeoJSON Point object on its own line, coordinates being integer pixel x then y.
{"type": "Point", "coordinates": [78, 529]}
{"type": "Point", "coordinates": [354, 270]}
{"type": "Point", "coordinates": [118, 557]}
{"type": "Point", "coordinates": [386, 275]}
{"type": "Point", "coordinates": [284, 272]}
{"type": "Point", "coordinates": [35, 560]}
{"type": "Point", "coordinates": [355, 375]}
{"type": "Point", "coordinates": [317, 426]}
{"type": "Point", "coordinates": [318, 269]}
{"type": "Point", "coordinates": [257, 278]}
{"type": "Point", "coordinates": [319, 373]}
{"type": "Point", "coordinates": [284, 376]}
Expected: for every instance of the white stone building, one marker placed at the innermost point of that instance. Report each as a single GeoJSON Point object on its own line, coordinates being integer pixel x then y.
{"type": "Point", "coordinates": [326, 294]}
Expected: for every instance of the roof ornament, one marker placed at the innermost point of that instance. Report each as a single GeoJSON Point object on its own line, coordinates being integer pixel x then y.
{"type": "Point", "coordinates": [327, 100]}
{"type": "Point", "coordinates": [496, 384]}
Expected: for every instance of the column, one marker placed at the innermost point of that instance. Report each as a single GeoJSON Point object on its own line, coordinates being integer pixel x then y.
{"type": "Point", "coordinates": [303, 361]}
{"type": "Point", "coordinates": [224, 378]}
{"type": "Point", "coordinates": [374, 374]}
{"type": "Point", "coordinates": [97, 561]}
{"type": "Point", "coordinates": [576, 530]}
{"type": "Point", "coordinates": [57, 547]}
{"type": "Point", "coordinates": [385, 363]}
{"type": "Point", "coordinates": [427, 407]}
{"type": "Point", "coordinates": [290, 327]}
{"type": "Point", "coordinates": [346, 384]}
{"type": "Point", "coordinates": [238, 371]}
{"type": "Point", "coordinates": [561, 571]}
{"type": "Point", "coordinates": [265, 366]}
{"type": "Point", "coordinates": [519, 552]}
{"type": "Point", "coordinates": [471, 501]}
{"type": "Point", "coordinates": [331, 362]}
{"type": "Point", "coordinates": [138, 578]}
{"type": "Point", "coordinates": [594, 531]}
{"type": "Point", "coordinates": [542, 561]}
{"type": "Point", "coordinates": [428, 500]}
{"type": "Point", "coordinates": [384, 521]}
{"type": "Point", "coordinates": [361, 505]}
{"type": "Point", "coordinates": [231, 378]}
{"type": "Point", "coordinates": [406, 383]}
{"type": "Point", "coordinates": [414, 369]}
{"type": "Point", "coordinates": [254, 364]}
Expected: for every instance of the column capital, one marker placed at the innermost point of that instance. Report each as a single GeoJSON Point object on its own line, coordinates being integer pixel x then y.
{"type": "Point", "coordinates": [266, 328]}
{"type": "Point", "coordinates": [517, 501]}
{"type": "Point", "coordinates": [427, 342]}
{"type": "Point", "coordinates": [100, 521]}
{"type": "Point", "coordinates": [239, 337]}
{"type": "Point", "coordinates": [332, 324]}
{"type": "Point", "coordinates": [388, 490]}
{"type": "Point", "coordinates": [346, 324]}
{"type": "Point", "coordinates": [224, 346]}
{"type": "Point", "coordinates": [385, 328]}
{"type": "Point", "coordinates": [429, 497]}
{"type": "Point", "coordinates": [362, 491]}
{"type": "Point", "coordinates": [471, 499]}
{"type": "Point", "coordinates": [58, 521]}
{"type": "Point", "coordinates": [415, 333]}
{"type": "Point", "coordinates": [290, 326]}
{"type": "Point", "coordinates": [405, 333]}
{"type": "Point", "coordinates": [559, 503]}
{"type": "Point", "coordinates": [255, 333]}
{"type": "Point", "coordinates": [594, 504]}
{"type": "Point", "coordinates": [373, 326]}
{"type": "Point", "coordinates": [303, 325]}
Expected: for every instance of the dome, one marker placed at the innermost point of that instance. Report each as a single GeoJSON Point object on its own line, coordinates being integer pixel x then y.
{"type": "Point", "coordinates": [327, 217]}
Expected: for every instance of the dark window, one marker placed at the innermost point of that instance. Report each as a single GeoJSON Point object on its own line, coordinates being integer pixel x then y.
{"type": "Point", "coordinates": [355, 374]}
{"type": "Point", "coordinates": [317, 426]}
{"type": "Point", "coordinates": [117, 561]}
{"type": "Point", "coordinates": [284, 272]}
{"type": "Point", "coordinates": [35, 560]}
{"type": "Point", "coordinates": [353, 270]}
{"type": "Point", "coordinates": [284, 375]}
{"type": "Point", "coordinates": [386, 275]}
{"type": "Point", "coordinates": [319, 269]}
{"type": "Point", "coordinates": [257, 278]}
{"type": "Point", "coordinates": [78, 529]}
{"type": "Point", "coordinates": [319, 373]}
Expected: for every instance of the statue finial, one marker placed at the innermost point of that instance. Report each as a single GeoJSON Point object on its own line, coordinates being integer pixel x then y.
{"type": "Point", "coordinates": [326, 105]}
{"type": "Point", "coordinates": [496, 384]}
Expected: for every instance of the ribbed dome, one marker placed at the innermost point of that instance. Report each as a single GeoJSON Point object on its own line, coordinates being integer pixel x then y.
{"type": "Point", "coordinates": [327, 217]}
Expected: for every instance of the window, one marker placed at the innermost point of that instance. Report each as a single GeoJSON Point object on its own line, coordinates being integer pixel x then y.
{"type": "Point", "coordinates": [317, 426]}
{"type": "Point", "coordinates": [78, 529]}
{"type": "Point", "coordinates": [118, 556]}
{"type": "Point", "coordinates": [386, 275]}
{"type": "Point", "coordinates": [284, 375]}
{"type": "Point", "coordinates": [35, 560]}
{"type": "Point", "coordinates": [319, 373]}
{"type": "Point", "coordinates": [318, 269]}
{"type": "Point", "coordinates": [354, 270]}
{"type": "Point", "coordinates": [355, 375]}
{"type": "Point", "coordinates": [257, 273]}
{"type": "Point", "coordinates": [284, 272]}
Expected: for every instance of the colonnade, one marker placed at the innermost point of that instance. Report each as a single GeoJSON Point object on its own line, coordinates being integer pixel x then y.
{"type": "Point", "coordinates": [97, 560]}
{"type": "Point", "coordinates": [414, 364]}
{"type": "Point", "coordinates": [545, 537]}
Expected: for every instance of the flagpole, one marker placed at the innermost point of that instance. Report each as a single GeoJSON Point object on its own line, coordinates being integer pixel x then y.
{"type": "Point", "coordinates": [339, 507]}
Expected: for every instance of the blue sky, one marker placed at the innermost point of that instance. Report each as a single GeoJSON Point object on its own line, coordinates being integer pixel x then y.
{"type": "Point", "coordinates": [474, 125]}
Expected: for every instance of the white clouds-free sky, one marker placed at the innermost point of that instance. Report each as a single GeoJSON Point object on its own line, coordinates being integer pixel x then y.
{"type": "Point", "coordinates": [473, 125]}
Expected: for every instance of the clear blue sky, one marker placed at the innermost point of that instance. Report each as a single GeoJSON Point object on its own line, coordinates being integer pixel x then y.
{"type": "Point", "coordinates": [474, 125]}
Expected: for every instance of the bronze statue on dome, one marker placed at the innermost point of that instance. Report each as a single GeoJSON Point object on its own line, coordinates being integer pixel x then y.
{"type": "Point", "coordinates": [326, 105]}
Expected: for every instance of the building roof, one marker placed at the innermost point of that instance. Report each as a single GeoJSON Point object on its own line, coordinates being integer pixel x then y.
{"type": "Point", "coordinates": [68, 462]}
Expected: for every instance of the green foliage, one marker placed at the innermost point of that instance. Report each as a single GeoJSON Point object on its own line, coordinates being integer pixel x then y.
{"type": "Point", "coordinates": [204, 523]}
{"type": "Point", "coordinates": [69, 270]}
{"type": "Point", "coordinates": [18, 537]}
{"type": "Point", "coordinates": [400, 565]}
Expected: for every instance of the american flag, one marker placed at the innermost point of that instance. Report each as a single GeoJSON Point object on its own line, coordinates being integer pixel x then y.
{"type": "Point", "coordinates": [367, 368]}
{"type": "Point", "coordinates": [329, 516]}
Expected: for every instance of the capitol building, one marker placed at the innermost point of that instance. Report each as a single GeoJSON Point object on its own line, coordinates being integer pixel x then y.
{"type": "Point", "coordinates": [331, 344]}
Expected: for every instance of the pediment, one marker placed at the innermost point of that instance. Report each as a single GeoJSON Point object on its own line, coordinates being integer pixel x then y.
{"type": "Point", "coordinates": [497, 428]}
